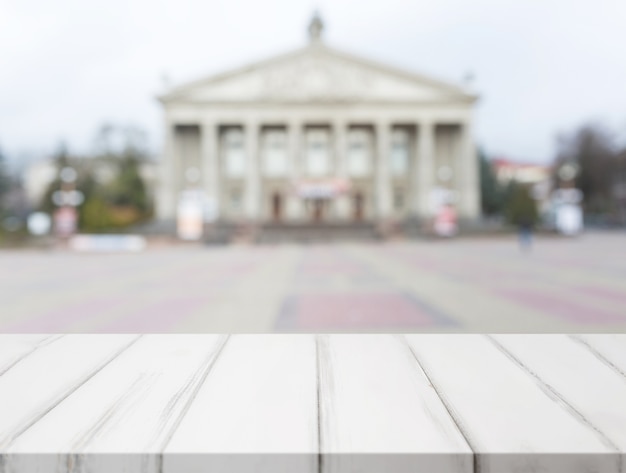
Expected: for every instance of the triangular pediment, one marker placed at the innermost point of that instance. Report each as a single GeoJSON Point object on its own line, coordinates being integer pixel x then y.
{"type": "Point", "coordinates": [318, 73]}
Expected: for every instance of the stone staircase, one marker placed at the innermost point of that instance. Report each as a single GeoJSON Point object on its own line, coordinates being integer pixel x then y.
{"type": "Point", "coordinates": [224, 233]}
{"type": "Point", "coordinates": [318, 232]}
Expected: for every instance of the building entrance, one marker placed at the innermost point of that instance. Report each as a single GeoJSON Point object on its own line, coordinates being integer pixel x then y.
{"type": "Point", "coordinates": [277, 206]}
{"type": "Point", "coordinates": [357, 207]}
{"type": "Point", "coordinates": [318, 210]}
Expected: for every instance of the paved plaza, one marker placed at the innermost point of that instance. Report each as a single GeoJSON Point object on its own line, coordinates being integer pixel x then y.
{"type": "Point", "coordinates": [462, 285]}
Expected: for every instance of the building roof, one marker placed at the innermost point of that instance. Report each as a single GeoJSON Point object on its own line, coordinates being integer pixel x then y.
{"type": "Point", "coordinates": [507, 170]}
{"type": "Point", "coordinates": [318, 72]}
{"type": "Point", "coordinates": [499, 163]}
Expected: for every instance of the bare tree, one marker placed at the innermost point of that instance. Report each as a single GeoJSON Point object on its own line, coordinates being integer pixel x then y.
{"type": "Point", "coordinates": [593, 148]}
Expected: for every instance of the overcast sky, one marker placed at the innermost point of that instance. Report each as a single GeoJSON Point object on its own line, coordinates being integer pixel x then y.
{"type": "Point", "coordinates": [540, 66]}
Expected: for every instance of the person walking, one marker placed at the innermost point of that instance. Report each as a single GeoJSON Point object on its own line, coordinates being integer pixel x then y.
{"type": "Point", "coordinates": [522, 212]}
{"type": "Point", "coordinates": [525, 225]}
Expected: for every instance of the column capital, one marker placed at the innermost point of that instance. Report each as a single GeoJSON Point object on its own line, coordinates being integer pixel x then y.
{"type": "Point", "coordinates": [251, 123]}
{"type": "Point", "coordinates": [383, 124]}
{"type": "Point", "coordinates": [207, 121]}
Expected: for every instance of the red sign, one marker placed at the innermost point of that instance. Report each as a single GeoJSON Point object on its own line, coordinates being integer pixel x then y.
{"type": "Point", "coordinates": [445, 221]}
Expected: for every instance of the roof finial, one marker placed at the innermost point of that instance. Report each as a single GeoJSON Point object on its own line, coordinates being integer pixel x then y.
{"type": "Point", "coordinates": [316, 27]}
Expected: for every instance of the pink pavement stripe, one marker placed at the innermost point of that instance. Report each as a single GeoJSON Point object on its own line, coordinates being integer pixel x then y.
{"type": "Point", "coordinates": [604, 293]}
{"type": "Point", "coordinates": [557, 305]}
{"type": "Point", "coordinates": [485, 272]}
{"type": "Point", "coordinates": [61, 319]}
{"type": "Point", "coordinates": [330, 266]}
{"type": "Point", "coordinates": [346, 311]}
{"type": "Point", "coordinates": [157, 317]}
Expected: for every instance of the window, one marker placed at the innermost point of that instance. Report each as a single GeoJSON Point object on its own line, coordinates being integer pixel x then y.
{"type": "Point", "coordinates": [275, 153]}
{"type": "Point", "coordinates": [235, 200]}
{"type": "Point", "coordinates": [234, 153]}
{"type": "Point", "coordinates": [317, 153]}
{"type": "Point", "coordinates": [359, 153]}
{"type": "Point", "coordinates": [400, 153]}
{"type": "Point", "coordinates": [398, 200]}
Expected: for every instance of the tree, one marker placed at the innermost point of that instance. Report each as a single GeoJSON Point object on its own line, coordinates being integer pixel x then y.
{"type": "Point", "coordinates": [116, 201]}
{"type": "Point", "coordinates": [619, 187]}
{"type": "Point", "coordinates": [491, 192]}
{"type": "Point", "coordinates": [593, 149]}
{"type": "Point", "coordinates": [61, 159]}
{"type": "Point", "coordinates": [124, 199]}
{"type": "Point", "coordinates": [128, 189]}
{"type": "Point", "coordinates": [521, 208]}
{"type": "Point", "coordinates": [5, 181]}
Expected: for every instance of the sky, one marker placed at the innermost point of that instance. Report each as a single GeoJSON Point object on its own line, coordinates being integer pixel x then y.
{"type": "Point", "coordinates": [541, 67]}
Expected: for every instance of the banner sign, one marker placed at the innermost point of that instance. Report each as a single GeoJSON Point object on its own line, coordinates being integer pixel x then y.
{"type": "Point", "coordinates": [322, 189]}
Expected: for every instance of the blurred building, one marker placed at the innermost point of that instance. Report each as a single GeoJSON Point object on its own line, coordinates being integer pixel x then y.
{"type": "Point", "coordinates": [319, 135]}
{"type": "Point", "coordinates": [37, 177]}
{"type": "Point", "coordinates": [507, 170]}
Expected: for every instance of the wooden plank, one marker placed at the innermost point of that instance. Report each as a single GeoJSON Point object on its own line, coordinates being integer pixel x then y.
{"type": "Point", "coordinates": [511, 423]}
{"type": "Point", "coordinates": [379, 411]}
{"type": "Point", "coordinates": [591, 388]}
{"type": "Point", "coordinates": [257, 411]}
{"type": "Point", "coordinates": [48, 375]}
{"type": "Point", "coordinates": [127, 411]}
{"type": "Point", "coordinates": [14, 348]}
{"type": "Point", "coordinates": [611, 348]}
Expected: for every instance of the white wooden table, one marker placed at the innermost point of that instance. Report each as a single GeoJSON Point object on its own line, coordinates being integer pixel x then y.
{"type": "Point", "coordinates": [307, 403]}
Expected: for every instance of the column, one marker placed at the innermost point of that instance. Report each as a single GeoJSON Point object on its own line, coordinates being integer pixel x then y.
{"type": "Point", "coordinates": [209, 165]}
{"type": "Point", "coordinates": [294, 208]}
{"type": "Point", "coordinates": [424, 178]}
{"type": "Point", "coordinates": [342, 203]}
{"type": "Point", "coordinates": [252, 180]}
{"type": "Point", "coordinates": [468, 175]}
{"type": "Point", "coordinates": [383, 182]}
{"type": "Point", "coordinates": [168, 192]}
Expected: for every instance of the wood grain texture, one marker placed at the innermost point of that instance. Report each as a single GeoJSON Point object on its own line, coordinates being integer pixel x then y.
{"type": "Point", "coordinates": [379, 411]}
{"type": "Point", "coordinates": [256, 412]}
{"type": "Point", "coordinates": [48, 375]}
{"type": "Point", "coordinates": [591, 389]}
{"type": "Point", "coordinates": [610, 348]}
{"type": "Point", "coordinates": [307, 403]}
{"type": "Point", "coordinates": [145, 390]}
{"type": "Point", "coordinates": [511, 423]}
{"type": "Point", "coordinates": [14, 348]}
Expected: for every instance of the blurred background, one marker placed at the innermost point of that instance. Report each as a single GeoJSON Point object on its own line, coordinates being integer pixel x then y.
{"type": "Point", "coordinates": [312, 166]}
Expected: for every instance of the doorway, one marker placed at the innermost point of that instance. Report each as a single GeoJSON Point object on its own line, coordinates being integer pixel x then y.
{"type": "Point", "coordinates": [277, 206]}
{"type": "Point", "coordinates": [358, 207]}
{"type": "Point", "coordinates": [318, 210]}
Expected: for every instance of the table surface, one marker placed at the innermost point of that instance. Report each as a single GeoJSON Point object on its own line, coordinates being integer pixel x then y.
{"type": "Point", "coordinates": [312, 403]}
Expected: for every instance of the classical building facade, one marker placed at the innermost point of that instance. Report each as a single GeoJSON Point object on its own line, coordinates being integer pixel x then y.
{"type": "Point", "coordinates": [318, 135]}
